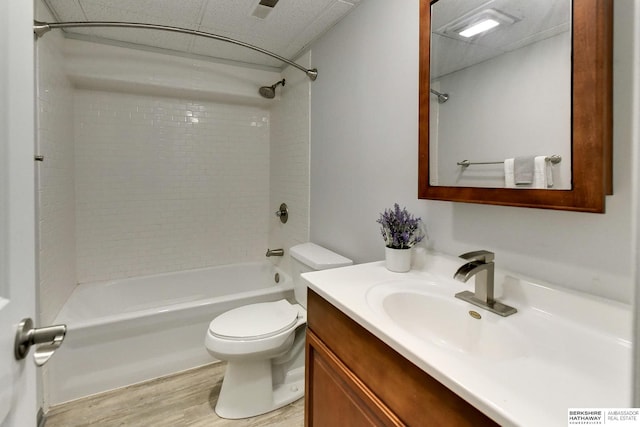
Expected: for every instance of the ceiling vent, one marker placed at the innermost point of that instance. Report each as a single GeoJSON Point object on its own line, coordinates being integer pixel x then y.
{"type": "Point", "coordinates": [264, 8]}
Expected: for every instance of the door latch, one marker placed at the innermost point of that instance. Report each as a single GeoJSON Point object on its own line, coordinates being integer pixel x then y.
{"type": "Point", "coordinates": [47, 340]}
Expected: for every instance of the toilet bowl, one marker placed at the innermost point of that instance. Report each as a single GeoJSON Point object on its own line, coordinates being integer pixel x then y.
{"type": "Point", "coordinates": [263, 344]}
{"type": "Point", "coordinates": [255, 330]}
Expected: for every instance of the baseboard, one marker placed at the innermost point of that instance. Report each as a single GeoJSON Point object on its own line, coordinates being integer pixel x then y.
{"type": "Point", "coordinates": [42, 418]}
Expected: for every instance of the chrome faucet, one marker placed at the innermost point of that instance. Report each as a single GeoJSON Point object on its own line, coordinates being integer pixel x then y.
{"type": "Point", "coordinates": [482, 267]}
{"type": "Point", "coordinates": [275, 252]}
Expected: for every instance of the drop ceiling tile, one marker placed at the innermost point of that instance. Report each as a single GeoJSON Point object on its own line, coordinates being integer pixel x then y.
{"type": "Point", "coordinates": [152, 38]}
{"type": "Point", "coordinates": [292, 25]}
{"type": "Point", "coordinates": [163, 39]}
{"type": "Point", "coordinates": [289, 28]}
{"type": "Point", "coordinates": [218, 49]}
{"type": "Point", "coordinates": [66, 10]}
{"type": "Point", "coordinates": [229, 15]}
{"type": "Point", "coordinates": [536, 21]}
{"type": "Point", "coordinates": [322, 23]}
{"type": "Point", "coordinates": [287, 20]}
{"type": "Point", "coordinates": [453, 55]}
{"type": "Point", "coordinates": [186, 12]}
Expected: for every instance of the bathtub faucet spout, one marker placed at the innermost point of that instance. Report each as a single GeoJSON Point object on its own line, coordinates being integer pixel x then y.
{"type": "Point", "coordinates": [275, 252]}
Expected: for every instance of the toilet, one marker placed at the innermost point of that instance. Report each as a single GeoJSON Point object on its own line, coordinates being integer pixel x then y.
{"type": "Point", "coordinates": [263, 343]}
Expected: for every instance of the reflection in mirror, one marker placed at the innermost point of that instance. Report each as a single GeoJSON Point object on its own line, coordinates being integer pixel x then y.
{"type": "Point", "coordinates": [501, 96]}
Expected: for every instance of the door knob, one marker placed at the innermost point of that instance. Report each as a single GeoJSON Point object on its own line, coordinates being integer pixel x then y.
{"type": "Point", "coordinates": [47, 340]}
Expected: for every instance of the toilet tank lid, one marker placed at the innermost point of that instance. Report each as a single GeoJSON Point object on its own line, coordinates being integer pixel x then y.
{"type": "Point", "coordinates": [317, 257]}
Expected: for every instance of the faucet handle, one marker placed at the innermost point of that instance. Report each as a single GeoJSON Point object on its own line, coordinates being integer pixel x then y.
{"type": "Point", "coordinates": [483, 256]}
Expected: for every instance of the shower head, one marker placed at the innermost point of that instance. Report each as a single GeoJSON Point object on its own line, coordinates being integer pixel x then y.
{"type": "Point", "coordinates": [442, 97]}
{"type": "Point", "coordinates": [269, 92]}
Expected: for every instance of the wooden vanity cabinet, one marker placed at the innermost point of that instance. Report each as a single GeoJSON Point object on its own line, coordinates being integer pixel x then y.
{"type": "Point", "coordinates": [354, 379]}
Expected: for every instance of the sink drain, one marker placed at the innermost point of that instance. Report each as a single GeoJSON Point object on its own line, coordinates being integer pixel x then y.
{"type": "Point", "coordinates": [475, 314]}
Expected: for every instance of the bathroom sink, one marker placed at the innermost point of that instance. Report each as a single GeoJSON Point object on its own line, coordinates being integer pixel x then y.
{"type": "Point", "coordinates": [429, 311]}
{"type": "Point", "coordinates": [561, 349]}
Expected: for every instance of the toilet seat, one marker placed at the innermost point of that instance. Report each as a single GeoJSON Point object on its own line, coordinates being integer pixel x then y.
{"type": "Point", "coordinates": [255, 321]}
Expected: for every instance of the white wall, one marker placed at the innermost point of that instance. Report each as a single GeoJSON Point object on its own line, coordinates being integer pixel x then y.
{"type": "Point", "coordinates": [55, 176]}
{"type": "Point", "coordinates": [289, 161]}
{"type": "Point", "coordinates": [364, 126]}
{"type": "Point", "coordinates": [364, 144]}
{"type": "Point", "coordinates": [516, 104]}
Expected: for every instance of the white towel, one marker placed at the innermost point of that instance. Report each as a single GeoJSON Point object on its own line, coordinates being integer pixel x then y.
{"type": "Point", "coordinates": [523, 168]}
{"type": "Point", "coordinates": [542, 173]}
{"type": "Point", "coordinates": [509, 176]}
{"type": "Point", "coordinates": [549, 170]}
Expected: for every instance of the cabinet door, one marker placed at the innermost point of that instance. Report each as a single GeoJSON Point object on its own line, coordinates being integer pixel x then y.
{"type": "Point", "coordinates": [335, 396]}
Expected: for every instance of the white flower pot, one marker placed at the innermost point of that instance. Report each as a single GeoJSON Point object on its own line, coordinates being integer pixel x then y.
{"type": "Point", "coordinates": [398, 260]}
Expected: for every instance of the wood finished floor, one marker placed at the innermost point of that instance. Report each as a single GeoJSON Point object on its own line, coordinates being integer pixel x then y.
{"type": "Point", "coordinates": [183, 399]}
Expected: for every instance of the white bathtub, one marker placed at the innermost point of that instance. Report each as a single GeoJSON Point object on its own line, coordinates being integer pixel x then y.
{"type": "Point", "coordinates": [126, 331]}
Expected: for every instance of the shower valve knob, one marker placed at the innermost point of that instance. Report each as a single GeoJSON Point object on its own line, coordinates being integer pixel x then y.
{"type": "Point", "coordinates": [283, 213]}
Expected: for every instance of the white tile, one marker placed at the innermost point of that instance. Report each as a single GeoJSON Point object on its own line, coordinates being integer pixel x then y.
{"type": "Point", "coordinates": [169, 194]}
{"type": "Point", "coordinates": [289, 160]}
{"type": "Point", "coordinates": [56, 198]}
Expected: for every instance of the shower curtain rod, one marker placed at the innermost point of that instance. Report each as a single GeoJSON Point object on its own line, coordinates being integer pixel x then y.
{"type": "Point", "coordinates": [41, 28]}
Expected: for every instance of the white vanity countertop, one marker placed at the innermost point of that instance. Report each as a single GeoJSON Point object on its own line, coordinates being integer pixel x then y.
{"type": "Point", "coordinates": [574, 352]}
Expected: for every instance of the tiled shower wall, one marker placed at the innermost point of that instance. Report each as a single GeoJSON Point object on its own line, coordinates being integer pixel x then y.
{"type": "Point", "coordinates": [290, 160]}
{"type": "Point", "coordinates": [55, 177]}
{"type": "Point", "coordinates": [145, 183]}
{"type": "Point", "coordinates": [164, 184]}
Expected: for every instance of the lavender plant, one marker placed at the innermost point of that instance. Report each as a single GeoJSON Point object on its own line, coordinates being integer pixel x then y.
{"type": "Point", "coordinates": [400, 229]}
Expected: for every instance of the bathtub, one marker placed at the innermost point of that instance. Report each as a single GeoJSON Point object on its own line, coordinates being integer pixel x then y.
{"type": "Point", "coordinates": [125, 331]}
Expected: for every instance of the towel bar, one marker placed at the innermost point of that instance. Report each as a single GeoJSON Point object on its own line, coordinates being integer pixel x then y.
{"type": "Point", "coordinates": [555, 159]}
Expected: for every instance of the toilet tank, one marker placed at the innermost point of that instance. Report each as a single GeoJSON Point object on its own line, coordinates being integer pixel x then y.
{"type": "Point", "coordinates": [311, 257]}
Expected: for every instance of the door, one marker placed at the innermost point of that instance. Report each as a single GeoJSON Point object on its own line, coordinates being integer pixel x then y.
{"type": "Point", "coordinates": [18, 401]}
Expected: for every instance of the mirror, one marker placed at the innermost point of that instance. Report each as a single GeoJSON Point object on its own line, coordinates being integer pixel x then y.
{"type": "Point", "coordinates": [490, 92]}
{"type": "Point", "coordinates": [519, 114]}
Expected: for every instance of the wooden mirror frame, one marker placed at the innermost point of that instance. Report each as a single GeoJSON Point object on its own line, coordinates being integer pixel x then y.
{"type": "Point", "coordinates": [591, 116]}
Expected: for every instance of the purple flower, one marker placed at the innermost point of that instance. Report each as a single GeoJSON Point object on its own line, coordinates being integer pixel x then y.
{"type": "Point", "coordinates": [400, 229]}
